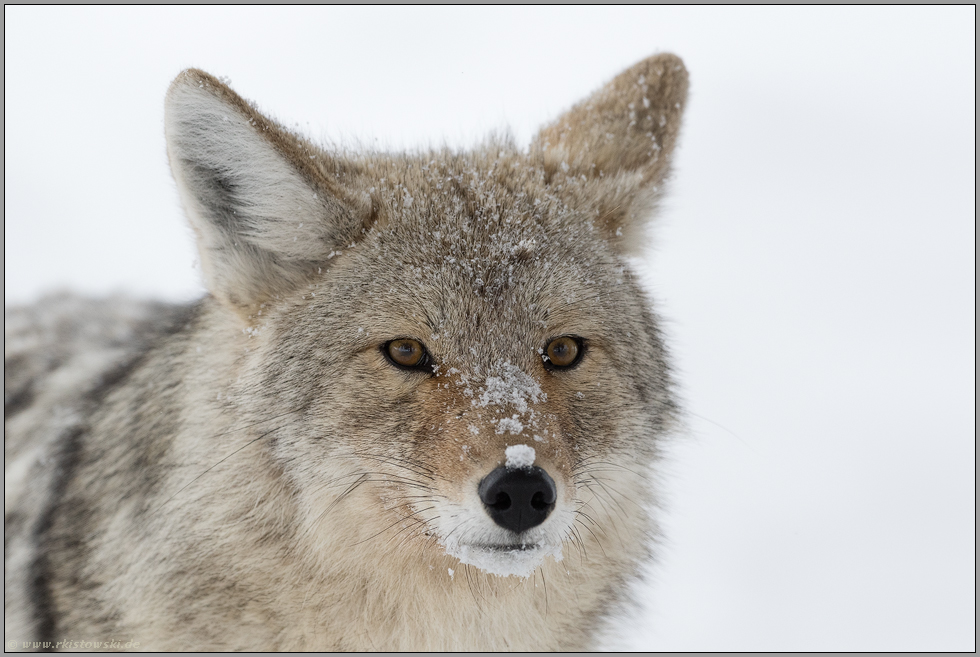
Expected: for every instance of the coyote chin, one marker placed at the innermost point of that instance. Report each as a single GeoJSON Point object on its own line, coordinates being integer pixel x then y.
{"type": "Point", "coordinates": [417, 410]}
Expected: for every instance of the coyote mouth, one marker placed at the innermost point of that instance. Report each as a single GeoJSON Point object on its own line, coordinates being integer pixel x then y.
{"type": "Point", "coordinates": [468, 534]}
{"type": "Point", "coordinates": [522, 547]}
{"type": "Point", "coordinates": [517, 559]}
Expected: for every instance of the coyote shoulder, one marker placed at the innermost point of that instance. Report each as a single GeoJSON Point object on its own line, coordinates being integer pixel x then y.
{"type": "Point", "coordinates": [416, 410]}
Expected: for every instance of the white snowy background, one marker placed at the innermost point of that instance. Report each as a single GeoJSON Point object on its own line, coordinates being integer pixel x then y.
{"type": "Point", "coordinates": [814, 264]}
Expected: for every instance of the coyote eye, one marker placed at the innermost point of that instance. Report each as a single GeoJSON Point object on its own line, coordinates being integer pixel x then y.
{"type": "Point", "coordinates": [407, 353]}
{"type": "Point", "coordinates": [564, 353]}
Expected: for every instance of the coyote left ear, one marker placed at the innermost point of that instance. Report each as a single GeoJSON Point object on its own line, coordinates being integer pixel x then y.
{"type": "Point", "coordinates": [615, 146]}
{"type": "Point", "coordinates": [264, 214]}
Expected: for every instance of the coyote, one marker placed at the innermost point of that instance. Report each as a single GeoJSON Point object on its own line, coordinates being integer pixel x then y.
{"type": "Point", "coordinates": [417, 410]}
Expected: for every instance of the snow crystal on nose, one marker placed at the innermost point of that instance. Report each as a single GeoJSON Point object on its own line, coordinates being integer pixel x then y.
{"type": "Point", "coordinates": [509, 389]}
{"type": "Point", "coordinates": [510, 425]}
{"type": "Point", "coordinates": [513, 386]}
{"type": "Point", "coordinates": [519, 457]}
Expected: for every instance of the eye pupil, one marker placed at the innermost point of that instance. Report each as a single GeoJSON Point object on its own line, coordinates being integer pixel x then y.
{"type": "Point", "coordinates": [406, 352]}
{"type": "Point", "coordinates": [563, 352]}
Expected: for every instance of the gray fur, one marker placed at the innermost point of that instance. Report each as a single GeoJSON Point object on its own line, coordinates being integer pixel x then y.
{"type": "Point", "coordinates": [251, 473]}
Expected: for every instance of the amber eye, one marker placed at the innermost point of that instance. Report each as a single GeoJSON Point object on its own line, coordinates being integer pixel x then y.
{"type": "Point", "coordinates": [406, 352]}
{"type": "Point", "coordinates": [564, 352]}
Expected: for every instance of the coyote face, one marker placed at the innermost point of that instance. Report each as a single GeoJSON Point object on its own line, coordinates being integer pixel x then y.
{"type": "Point", "coordinates": [438, 309]}
{"type": "Point", "coordinates": [492, 323]}
{"type": "Point", "coordinates": [408, 364]}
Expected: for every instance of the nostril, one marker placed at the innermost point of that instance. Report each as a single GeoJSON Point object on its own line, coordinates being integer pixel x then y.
{"type": "Point", "coordinates": [537, 501]}
{"type": "Point", "coordinates": [502, 502]}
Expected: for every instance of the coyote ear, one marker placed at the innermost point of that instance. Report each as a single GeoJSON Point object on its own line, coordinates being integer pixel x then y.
{"type": "Point", "coordinates": [263, 212]}
{"type": "Point", "coordinates": [618, 142]}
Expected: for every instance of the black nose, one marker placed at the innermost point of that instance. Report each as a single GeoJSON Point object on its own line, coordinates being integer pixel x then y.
{"type": "Point", "coordinates": [518, 499]}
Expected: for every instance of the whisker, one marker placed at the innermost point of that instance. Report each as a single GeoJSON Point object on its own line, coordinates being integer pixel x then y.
{"type": "Point", "coordinates": [251, 442]}
{"type": "Point", "coordinates": [586, 527]}
{"type": "Point", "coordinates": [350, 489]}
{"type": "Point", "coordinates": [618, 467]}
{"type": "Point", "coordinates": [416, 523]}
{"type": "Point", "coordinates": [254, 424]}
{"type": "Point", "coordinates": [582, 550]}
{"type": "Point", "coordinates": [416, 468]}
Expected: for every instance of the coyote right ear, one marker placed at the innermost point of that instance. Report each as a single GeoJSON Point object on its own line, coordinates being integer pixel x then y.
{"type": "Point", "coordinates": [264, 214]}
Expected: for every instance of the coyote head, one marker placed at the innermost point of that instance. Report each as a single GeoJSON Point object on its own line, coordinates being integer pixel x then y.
{"type": "Point", "coordinates": [461, 358]}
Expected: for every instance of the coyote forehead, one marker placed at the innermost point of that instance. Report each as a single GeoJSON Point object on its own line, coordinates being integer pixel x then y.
{"type": "Point", "coordinates": [409, 367]}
